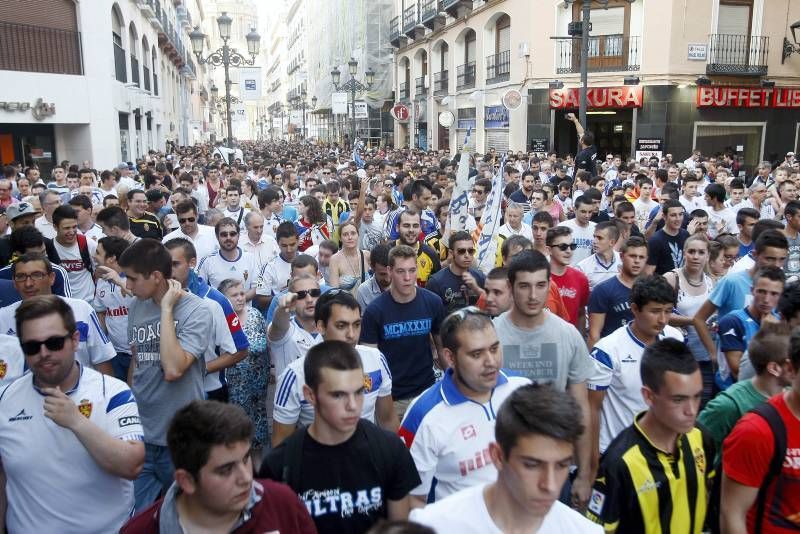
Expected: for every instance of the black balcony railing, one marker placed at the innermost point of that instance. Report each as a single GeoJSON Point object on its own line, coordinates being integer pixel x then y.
{"type": "Point", "coordinates": [737, 54]}
{"type": "Point", "coordinates": [410, 16]}
{"type": "Point", "coordinates": [607, 53]}
{"type": "Point", "coordinates": [428, 10]}
{"type": "Point", "coordinates": [465, 76]}
{"type": "Point", "coordinates": [419, 87]}
{"type": "Point", "coordinates": [394, 29]}
{"type": "Point", "coordinates": [135, 71]}
{"type": "Point", "coordinates": [28, 48]}
{"type": "Point", "coordinates": [404, 90]}
{"type": "Point", "coordinates": [498, 67]}
{"type": "Point", "coordinates": [146, 78]}
{"type": "Point", "coordinates": [120, 68]}
{"type": "Point", "coordinates": [440, 82]}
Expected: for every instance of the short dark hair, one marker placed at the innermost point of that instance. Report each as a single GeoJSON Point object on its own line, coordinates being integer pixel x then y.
{"type": "Point", "coordinates": [113, 246]}
{"type": "Point", "coordinates": [770, 344]}
{"type": "Point", "coordinates": [538, 409]}
{"type": "Point", "coordinates": [624, 207]}
{"type": "Point", "coordinates": [400, 252]}
{"type": "Point", "coordinates": [556, 232]}
{"type": "Point", "coordinates": [114, 217]}
{"type": "Point", "coordinates": [662, 356]}
{"type": "Point", "coordinates": [268, 196]}
{"type": "Point", "coordinates": [184, 207]}
{"type": "Point", "coordinates": [515, 241]}
{"type": "Point", "coordinates": [611, 227]}
{"type": "Point", "coordinates": [716, 192]}
{"type": "Point", "coordinates": [460, 235]}
{"type": "Point", "coordinates": [326, 301]}
{"type": "Point", "coordinates": [772, 273]}
{"type": "Point", "coordinates": [762, 225]}
{"type": "Point", "coordinates": [26, 237]}
{"type": "Point", "coordinates": [189, 251]}
{"type": "Point", "coordinates": [671, 203]}
{"type": "Point", "coordinates": [380, 255]}
{"type": "Point", "coordinates": [528, 261]}
{"type": "Point", "coordinates": [543, 217]}
{"type": "Point", "coordinates": [331, 246]}
{"type": "Point", "coordinates": [498, 273]}
{"type": "Point", "coordinates": [634, 241]}
{"type": "Point", "coordinates": [336, 355]}
{"type": "Point", "coordinates": [749, 213]}
{"type": "Point", "coordinates": [62, 213]}
{"type": "Point", "coordinates": [653, 288]}
{"type": "Point", "coordinates": [284, 230]}
{"type": "Point", "coordinates": [147, 256]}
{"type": "Point", "coordinates": [458, 320]}
{"type": "Point", "coordinates": [201, 425]}
{"type": "Point", "coordinates": [42, 306]}
{"type": "Point", "coordinates": [771, 238]}
{"type": "Point", "coordinates": [792, 207]}
{"type": "Point", "coordinates": [80, 200]}
{"type": "Point", "coordinates": [789, 303]}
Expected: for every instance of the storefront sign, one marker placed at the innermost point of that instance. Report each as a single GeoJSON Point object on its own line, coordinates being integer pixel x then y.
{"type": "Point", "coordinates": [539, 146]}
{"type": "Point", "coordinates": [339, 103]}
{"type": "Point", "coordinates": [495, 117]}
{"type": "Point", "coordinates": [361, 109]}
{"type": "Point", "coordinates": [40, 110]}
{"type": "Point", "coordinates": [648, 148]}
{"type": "Point", "coordinates": [748, 97]}
{"type": "Point", "coordinates": [464, 124]}
{"type": "Point", "coordinates": [400, 112]}
{"type": "Point", "coordinates": [697, 52]}
{"type": "Point", "coordinates": [599, 97]}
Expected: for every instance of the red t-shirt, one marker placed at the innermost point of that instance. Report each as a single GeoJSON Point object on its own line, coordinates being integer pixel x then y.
{"type": "Point", "coordinates": [746, 455]}
{"type": "Point", "coordinates": [574, 288]}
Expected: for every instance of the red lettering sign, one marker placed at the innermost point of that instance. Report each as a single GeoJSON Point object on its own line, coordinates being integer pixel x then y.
{"type": "Point", "coordinates": [599, 97]}
{"type": "Point", "coordinates": [401, 112]}
{"type": "Point", "coordinates": [748, 97]}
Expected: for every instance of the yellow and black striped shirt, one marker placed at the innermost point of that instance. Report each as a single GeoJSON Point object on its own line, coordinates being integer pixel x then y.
{"type": "Point", "coordinates": [642, 489]}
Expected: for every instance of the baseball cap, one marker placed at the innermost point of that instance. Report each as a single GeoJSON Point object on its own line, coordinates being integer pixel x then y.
{"type": "Point", "coordinates": [19, 209]}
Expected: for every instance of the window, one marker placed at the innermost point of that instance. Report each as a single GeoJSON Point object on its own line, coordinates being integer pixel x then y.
{"type": "Point", "coordinates": [502, 34]}
{"type": "Point", "coordinates": [120, 69]}
{"type": "Point", "coordinates": [469, 47]}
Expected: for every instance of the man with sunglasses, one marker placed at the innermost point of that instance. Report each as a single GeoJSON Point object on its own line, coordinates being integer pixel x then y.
{"type": "Point", "coordinates": [89, 423]}
{"type": "Point", "coordinates": [459, 284]}
{"type": "Point", "coordinates": [230, 261]}
{"type": "Point", "coordinates": [201, 236]}
{"type": "Point", "coordinates": [572, 283]}
{"type": "Point", "coordinates": [293, 330]}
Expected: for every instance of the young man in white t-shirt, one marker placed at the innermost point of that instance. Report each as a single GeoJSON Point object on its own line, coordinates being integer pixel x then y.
{"type": "Point", "coordinates": [230, 261]}
{"type": "Point", "coordinates": [605, 263]}
{"type": "Point", "coordinates": [645, 203]}
{"type": "Point", "coordinates": [535, 434]}
{"type": "Point", "coordinates": [233, 207]}
{"type": "Point", "coordinates": [582, 229]}
{"type": "Point", "coordinates": [75, 252]}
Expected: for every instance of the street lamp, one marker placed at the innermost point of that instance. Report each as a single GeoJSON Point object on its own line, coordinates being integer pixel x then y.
{"type": "Point", "coordinates": [789, 48]}
{"type": "Point", "coordinates": [218, 101]}
{"type": "Point", "coordinates": [352, 86]}
{"type": "Point", "coordinates": [226, 57]}
{"type": "Point", "coordinates": [582, 29]}
{"type": "Point", "coordinates": [299, 102]}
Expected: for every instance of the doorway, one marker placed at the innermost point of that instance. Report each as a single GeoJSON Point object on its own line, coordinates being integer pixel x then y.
{"type": "Point", "coordinates": [612, 129]}
{"type": "Point", "coordinates": [745, 139]}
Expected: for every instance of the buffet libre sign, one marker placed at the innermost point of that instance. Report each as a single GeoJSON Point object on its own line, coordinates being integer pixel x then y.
{"type": "Point", "coordinates": [748, 97]}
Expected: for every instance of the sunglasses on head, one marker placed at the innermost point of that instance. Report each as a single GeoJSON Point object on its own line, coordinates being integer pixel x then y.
{"type": "Point", "coordinates": [52, 343]}
{"type": "Point", "coordinates": [564, 246]}
{"type": "Point", "coordinates": [303, 293]}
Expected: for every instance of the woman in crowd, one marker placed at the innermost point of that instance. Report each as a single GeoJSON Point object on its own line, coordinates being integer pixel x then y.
{"type": "Point", "coordinates": [312, 226]}
{"type": "Point", "coordinates": [350, 266]}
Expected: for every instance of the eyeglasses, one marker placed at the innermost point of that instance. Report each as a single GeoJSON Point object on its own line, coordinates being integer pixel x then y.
{"type": "Point", "coordinates": [388, 184]}
{"type": "Point", "coordinates": [469, 251]}
{"type": "Point", "coordinates": [564, 246]}
{"type": "Point", "coordinates": [187, 220]}
{"type": "Point", "coordinates": [313, 293]}
{"type": "Point", "coordinates": [326, 173]}
{"type": "Point", "coordinates": [31, 348]}
{"type": "Point", "coordinates": [36, 276]}
{"type": "Point", "coordinates": [228, 234]}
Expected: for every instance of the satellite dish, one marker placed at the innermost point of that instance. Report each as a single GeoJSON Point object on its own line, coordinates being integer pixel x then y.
{"type": "Point", "coordinates": [512, 99]}
{"type": "Point", "coordinates": [445, 100]}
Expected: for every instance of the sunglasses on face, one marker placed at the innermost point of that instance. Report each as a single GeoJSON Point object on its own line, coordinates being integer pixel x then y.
{"type": "Point", "coordinates": [187, 220]}
{"type": "Point", "coordinates": [303, 293]}
{"type": "Point", "coordinates": [228, 234]}
{"type": "Point", "coordinates": [564, 246]}
{"type": "Point", "coordinates": [52, 343]}
{"type": "Point", "coordinates": [470, 251]}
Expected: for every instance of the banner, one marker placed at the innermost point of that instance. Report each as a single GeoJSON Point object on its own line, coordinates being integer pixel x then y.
{"type": "Point", "coordinates": [748, 97]}
{"type": "Point", "coordinates": [339, 103]}
{"type": "Point", "coordinates": [239, 113]}
{"type": "Point", "coordinates": [459, 200]}
{"type": "Point", "coordinates": [362, 111]}
{"type": "Point", "coordinates": [647, 148]}
{"type": "Point", "coordinates": [250, 83]}
{"type": "Point", "coordinates": [490, 222]}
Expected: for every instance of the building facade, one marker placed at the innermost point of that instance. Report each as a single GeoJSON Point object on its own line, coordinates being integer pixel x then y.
{"type": "Point", "coordinates": [708, 74]}
{"type": "Point", "coordinates": [83, 94]}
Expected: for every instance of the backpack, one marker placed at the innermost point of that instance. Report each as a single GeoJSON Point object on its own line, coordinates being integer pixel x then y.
{"type": "Point", "coordinates": [770, 414]}
{"type": "Point", "coordinates": [86, 258]}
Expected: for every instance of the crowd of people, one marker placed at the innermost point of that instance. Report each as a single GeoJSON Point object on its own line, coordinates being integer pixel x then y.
{"type": "Point", "coordinates": [310, 338]}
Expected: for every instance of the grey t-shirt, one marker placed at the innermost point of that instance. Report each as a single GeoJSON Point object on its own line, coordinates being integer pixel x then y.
{"type": "Point", "coordinates": [158, 399]}
{"type": "Point", "coordinates": [553, 352]}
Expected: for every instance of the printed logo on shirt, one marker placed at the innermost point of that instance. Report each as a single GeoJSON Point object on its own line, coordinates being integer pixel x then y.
{"type": "Point", "coordinates": [730, 332]}
{"type": "Point", "coordinates": [628, 359]}
{"type": "Point", "coordinates": [596, 502]}
{"type": "Point", "coordinates": [649, 485]}
{"type": "Point", "coordinates": [468, 432]}
{"type": "Point", "coordinates": [342, 503]}
{"type": "Point", "coordinates": [128, 421]}
{"type": "Point", "coordinates": [418, 327]}
{"type": "Point", "coordinates": [73, 266]}
{"type": "Point", "coordinates": [700, 459]}
{"type": "Point", "coordinates": [676, 252]}
{"type": "Point", "coordinates": [479, 460]}
{"type": "Point", "coordinates": [3, 369]}
{"type": "Point", "coordinates": [21, 416]}
{"type": "Point", "coordinates": [234, 325]}
{"type": "Point", "coordinates": [85, 407]}
{"type": "Point", "coordinates": [567, 292]}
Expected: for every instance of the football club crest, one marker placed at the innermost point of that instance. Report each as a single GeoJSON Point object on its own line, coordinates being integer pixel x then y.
{"type": "Point", "coordinates": [367, 383]}
{"type": "Point", "coordinates": [245, 275]}
{"type": "Point", "coordinates": [3, 369]}
{"type": "Point", "coordinates": [146, 227]}
{"type": "Point", "coordinates": [85, 407]}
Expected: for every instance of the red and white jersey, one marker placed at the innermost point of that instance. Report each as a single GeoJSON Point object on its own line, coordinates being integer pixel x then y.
{"type": "Point", "coordinates": [80, 279]}
{"type": "Point", "coordinates": [448, 435]}
{"type": "Point", "coordinates": [214, 269]}
{"type": "Point", "coordinates": [291, 406]}
{"type": "Point", "coordinates": [109, 299]}
{"type": "Point", "coordinates": [52, 482]}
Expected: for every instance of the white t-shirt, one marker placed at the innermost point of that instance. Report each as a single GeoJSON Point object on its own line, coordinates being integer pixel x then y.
{"type": "Point", "coordinates": [94, 346]}
{"type": "Point", "coordinates": [745, 263]}
{"type": "Point", "coordinates": [448, 435]}
{"type": "Point", "coordinates": [214, 269]}
{"type": "Point", "coordinates": [95, 233]}
{"type": "Point", "coordinates": [80, 279]}
{"type": "Point", "coordinates": [293, 345]}
{"type": "Point", "coordinates": [643, 210]}
{"type": "Point", "coordinates": [525, 231]}
{"type": "Point", "coordinates": [108, 298]}
{"type": "Point", "coordinates": [291, 406]}
{"type": "Point", "coordinates": [617, 358]}
{"type": "Point", "coordinates": [274, 277]}
{"type": "Point", "coordinates": [220, 342]}
{"type": "Point", "coordinates": [465, 512]}
{"type": "Point", "coordinates": [46, 227]}
{"type": "Point", "coordinates": [205, 242]}
{"type": "Point", "coordinates": [720, 222]}
{"type": "Point", "coordinates": [596, 271]}
{"type": "Point", "coordinates": [235, 216]}
{"type": "Point", "coordinates": [12, 360]}
{"type": "Point", "coordinates": [583, 237]}
{"type": "Point", "coordinates": [53, 483]}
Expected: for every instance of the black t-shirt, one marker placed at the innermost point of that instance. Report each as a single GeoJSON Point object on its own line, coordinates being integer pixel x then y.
{"type": "Point", "coordinates": [346, 487]}
{"type": "Point", "coordinates": [585, 159]}
{"type": "Point", "coordinates": [147, 225]}
{"type": "Point", "coordinates": [666, 251]}
{"type": "Point", "coordinates": [452, 289]}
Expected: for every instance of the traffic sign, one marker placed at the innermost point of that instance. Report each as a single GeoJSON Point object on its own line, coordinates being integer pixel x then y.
{"type": "Point", "coordinates": [401, 113]}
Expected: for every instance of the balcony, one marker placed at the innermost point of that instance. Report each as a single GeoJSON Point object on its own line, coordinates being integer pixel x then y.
{"type": "Point", "coordinates": [607, 53]}
{"type": "Point", "coordinates": [457, 8]}
{"type": "Point", "coordinates": [405, 92]}
{"type": "Point", "coordinates": [146, 7]}
{"type": "Point", "coordinates": [441, 83]}
{"type": "Point", "coordinates": [419, 87]}
{"type": "Point", "coordinates": [465, 76]}
{"type": "Point", "coordinates": [397, 39]}
{"type": "Point", "coordinates": [430, 15]}
{"type": "Point", "coordinates": [498, 67]}
{"type": "Point", "coordinates": [739, 55]}
{"type": "Point", "coordinates": [38, 49]}
{"type": "Point", "coordinates": [156, 18]}
{"type": "Point", "coordinates": [411, 26]}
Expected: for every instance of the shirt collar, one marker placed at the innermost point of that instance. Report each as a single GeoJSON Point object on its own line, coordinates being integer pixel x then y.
{"type": "Point", "coordinates": [452, 395]}
{"type": "Point", "coordinates": [641, 432]}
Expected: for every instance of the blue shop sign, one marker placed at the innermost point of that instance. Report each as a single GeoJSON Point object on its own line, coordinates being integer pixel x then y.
{"type": "Point", "coordinates": [495, 117]}
{"type": "Point", "coordinates": [464, 124]}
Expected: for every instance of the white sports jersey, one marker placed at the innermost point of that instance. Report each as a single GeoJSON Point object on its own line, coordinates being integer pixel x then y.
{"type": "Point", "coordinates": [293, 345]}
{"type": "Point", "coordinates": [235, 216]}
{"type": "Point", "coordinates": [448, 435]}
{"type": "Point", "coordinates": [108, 298]}
{"type": "Point", "coordinates": [291, 407]}
{"type": "Point", "coordinates": [53, 483]}
{"type": "Point", "coordinates": [205, 242]}
{"type": "Point", "coordinates": [583, 237]}
{"type": "Point", "coordinates": [94, 346]}
{"type": "Point", "coordinates": [617, 360]}
{"type": "Point", "coordinates": [12, 360]}
{"type": "Point", "coordinates": [274, 277]}
{"type": "Point", "coordinates": [80, 279]}
{"type": "Point", "coordinates": [596, 271]}
{"type": "Point", "coordinates": [221, 341]}
{"type": "Point", "coordinates": [95, 233]}
{"type": "Point", "coordinates": [214, 269]}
